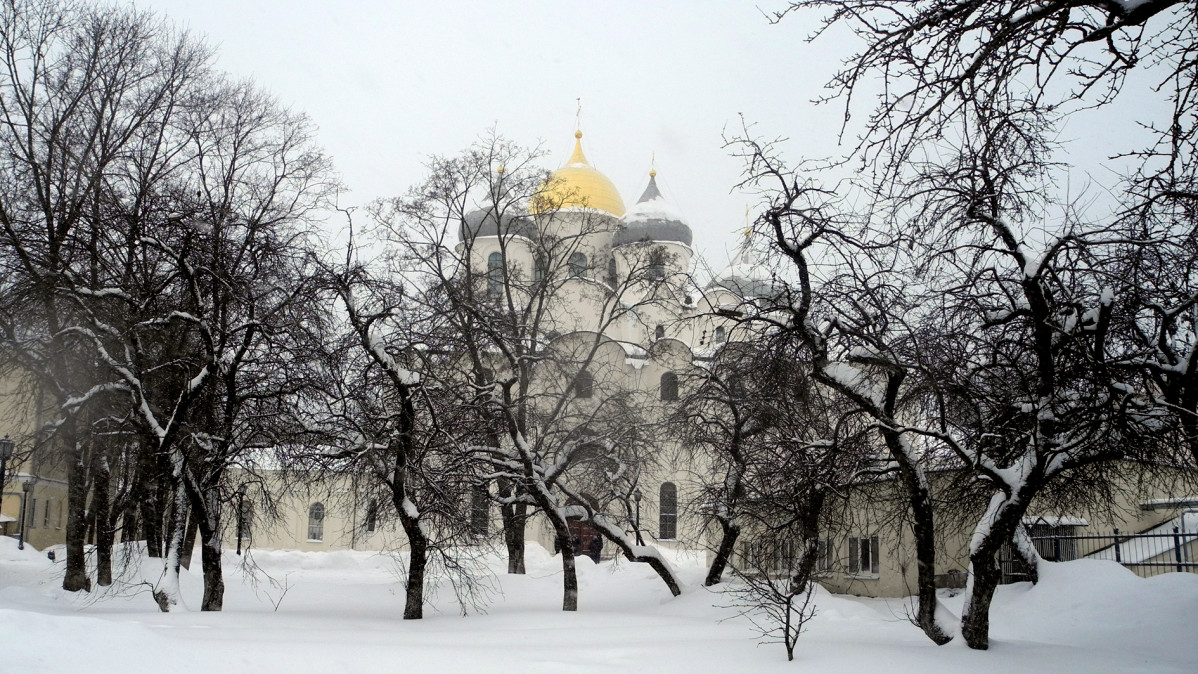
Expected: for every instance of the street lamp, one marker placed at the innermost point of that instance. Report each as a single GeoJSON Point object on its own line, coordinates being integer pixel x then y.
{"type": "Point", "coordinates": [240, 515]}
{"type": "Point", "coordinates": [636, 496]}
{"type": "Point", "coordinates": [26, 487]}
{"type": "Point", "coordinates": [6, 447]}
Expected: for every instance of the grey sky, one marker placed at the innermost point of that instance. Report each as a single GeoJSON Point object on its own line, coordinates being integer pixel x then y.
{"type": "Point", "coordinates": [390, 83]}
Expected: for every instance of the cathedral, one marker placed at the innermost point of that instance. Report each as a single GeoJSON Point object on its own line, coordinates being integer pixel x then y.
{"type": "Point", "coordinates": [627, 295]}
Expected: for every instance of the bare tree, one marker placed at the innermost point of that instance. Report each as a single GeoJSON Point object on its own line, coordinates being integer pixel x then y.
{"type": "Point", "coordinates": [81, 88]}
{"type": "Point", "coordinates": [545, 378]}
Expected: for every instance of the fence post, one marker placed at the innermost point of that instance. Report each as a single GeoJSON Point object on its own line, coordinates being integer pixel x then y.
{"type": "Point", "coordinates": [1177, 547]}
{"type": "Point", "coordinates": [1118, 553]}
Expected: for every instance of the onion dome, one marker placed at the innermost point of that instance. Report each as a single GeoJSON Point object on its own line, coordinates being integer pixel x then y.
{"type": "Point", "coordinates": [578, 185]}
{"type": "Point", "coordinates": [488, 221]}
{"type": "Point", "coordinates": [652, 219]}
{"type": "Point", "coordinates": [747, 276]}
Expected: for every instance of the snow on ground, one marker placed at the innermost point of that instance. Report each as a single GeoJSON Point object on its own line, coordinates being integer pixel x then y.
{"type": "Point", "coordinates": [341, 612]}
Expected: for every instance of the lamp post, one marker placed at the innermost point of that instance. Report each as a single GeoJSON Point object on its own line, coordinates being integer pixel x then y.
{"type": "Point", "coordinates": [240, 515]}
{"type": "Point", "coordinates": [26, 487]}
{"type": "Point", "coordinates": [636, 496]}
{"type": "Point", "coordinates": [6, 447]}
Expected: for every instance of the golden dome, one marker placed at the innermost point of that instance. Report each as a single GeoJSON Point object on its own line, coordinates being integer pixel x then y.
{"type": "Point", "coordinates": [578, 184]}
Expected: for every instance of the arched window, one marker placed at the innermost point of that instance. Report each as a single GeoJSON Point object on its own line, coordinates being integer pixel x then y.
{"type": "Point", "coordinates": [495, 273]}
{"type": "Point", "coordinates": [721, 335]}
{"type": "Point", "coordinates": [480, 511]}
{"type": "Point", "coordinates": [316, 522]}
{"type": "Point", "coordinates": [667, 512]}
{"type": "Point", "coordinates": [538, 268]}
{"type": "Point", "coordinates": [659, 332]}
{"type": "Point", "coordinates": [669, 386]}
{"type": "Point", "coordinates": [584, 385]}
{"type": "Point", "coordinates": [577, 264]}
{"type": "Point", "coordinates": [612, 274]}
{"type": "Point", "coordinates": [372, 516]}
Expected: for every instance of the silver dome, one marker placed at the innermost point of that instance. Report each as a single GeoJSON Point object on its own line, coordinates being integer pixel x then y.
{"type": "Point", "coordinates": [652, 219]}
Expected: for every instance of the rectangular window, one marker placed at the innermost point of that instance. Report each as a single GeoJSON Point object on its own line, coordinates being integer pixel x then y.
{"type": "Point", "coordinates": [31, 515]}
{"type": "Point", "coordinates": [863, 556]}
{"type": "Point", "coordinates": [46, 515]}
{"type": "Point", "coordinates": [823, 556]}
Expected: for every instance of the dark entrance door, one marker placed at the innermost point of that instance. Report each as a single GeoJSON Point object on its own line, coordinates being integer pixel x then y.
{"type": "Point", "coordinates": [585, 539]}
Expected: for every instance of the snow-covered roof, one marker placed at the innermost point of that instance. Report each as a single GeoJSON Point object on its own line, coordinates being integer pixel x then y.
{"type": "Point", "coordinates": [1170, 503]}
{"type": "Point", "coordinates": [1056, 520]}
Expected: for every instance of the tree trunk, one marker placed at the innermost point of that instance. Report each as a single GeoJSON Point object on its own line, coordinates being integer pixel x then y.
{"type": "Point", "coordinates": [919, 499]}
{"type": "Point", "coordinates": [189, 539]}
{"type": "Point", "coordinates": [208, 521]}
{"type": "Point", "coordinates": [418, 543]}
{"type": "Point", "coordinates": [637, 553]}
{"type": "Point", "coordinates": [569, 571]}
{"type": "Point", "coordinates": [152, 523]}
{"type": "Point", "coordinates": [101, 506]}
{"type": "Point", "coordinates": [166, 593]}
{"type": "Point", "coordinates": [997, 526]}
{"type": "Point", "coordinates": [76, 578]}
{"type": "Point", "coordinates": [515, 516]}
{"type": "Point", "coordinates": [723, 553]}
{"type": "Point", "coordinates": [214, 582]}
{"type": "Point", "coordinates": [414, 599]}
{"type": "Point", "coordinates": [984, 579]}
{"type": "Point", "coordinates": [1024, 548]}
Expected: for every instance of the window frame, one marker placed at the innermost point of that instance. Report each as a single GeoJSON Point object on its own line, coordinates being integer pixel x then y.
{"type": "Point", "coordinates": [667, 518]}
{"type": "Point", "coordinates": [316, 517]}
{"type": "Point", "coordinates": [577, 263]}
{"type": "Point", "coordinates": [668, 387]}
{"type": "Point", "coordinates": [495, 272]}
{"type": "Point", "coordinates": [370, 520]}
{"type": "Point", "coordinates": [856, 556]}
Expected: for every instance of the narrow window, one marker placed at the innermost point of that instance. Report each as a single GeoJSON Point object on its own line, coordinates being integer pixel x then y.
{"type": "Point", "coordinates": [316, 522]}
{"type": "Point", "coordinates": [669, 386]}
{"type": "Point", "coordinates": [480, 511]}
{"type": "Point", "coordinates": [538, 268]}
{"type": "Point", "coordinates": [823, 555]}
{"type": "Point", "coordinates": [31, 515]}
{"type": "Point", "coordinates": [863, 555]}
{"type": "Point", "coordinates": [584, 385]}
{"type": "Point", "coordinates": [667, 511]}
{"type": "Point", "coordinates": [721, 335]}
{"type": "Point", "coordinates": [372, 516]}
{"type": "Point", "coordinates": [494, 273]}
{"type": "Point", "coordinates": [659, 332]}
{"type": "Point", "coordinates": [613, 276]}
{"type": "Point", "coordinates": [577, 264]}
{"type": "Point", "coordinates": [46, 515]}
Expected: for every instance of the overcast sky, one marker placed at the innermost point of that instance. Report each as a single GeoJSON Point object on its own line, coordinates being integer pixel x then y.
{"type": "Point", "coordinates": [390, 83]}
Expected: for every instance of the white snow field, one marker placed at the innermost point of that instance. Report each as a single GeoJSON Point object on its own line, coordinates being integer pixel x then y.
{"type": "Point", "coordinates": [342, 613]}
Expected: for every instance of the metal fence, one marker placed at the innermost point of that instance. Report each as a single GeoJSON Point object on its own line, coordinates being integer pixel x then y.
{"type": "Point", "coordinates": [1147, 554]}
